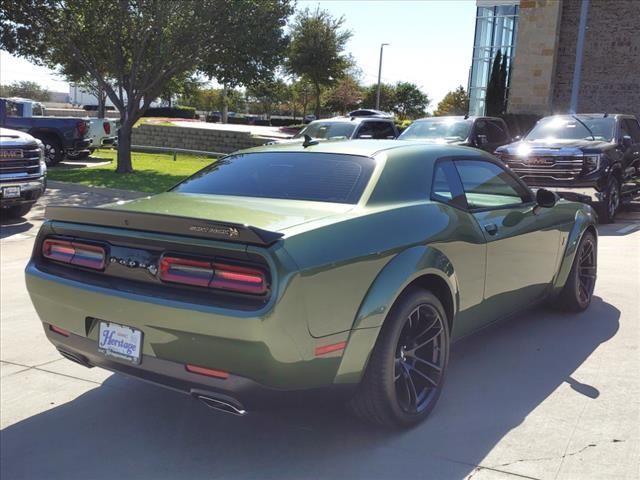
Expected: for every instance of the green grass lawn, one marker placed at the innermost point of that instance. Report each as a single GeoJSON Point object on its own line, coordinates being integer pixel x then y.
{"type": "Point", "coordinates": [154, 172]}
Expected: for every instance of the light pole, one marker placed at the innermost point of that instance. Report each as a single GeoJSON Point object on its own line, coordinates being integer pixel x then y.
{"type": "Point", "coordinates": [382, 45]}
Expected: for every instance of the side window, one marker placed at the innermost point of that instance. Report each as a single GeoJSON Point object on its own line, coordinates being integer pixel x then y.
{"type": "Point", "coordinates": [497, 133]}
{"type": "Point", "coordinates": [633, 129]}
{"type": "Point", "coordinates": [446, 187]}
{"type": "Point", "coordinates": [383, 130]}
{"type": "Point", "coordinates": [365, 130]}
{"type": "Point", "coordinates": [481, 132]}
{"type": "Point", "coordinates": [487, 185]}
{"type": "Point", "coordinates": [12, 109]}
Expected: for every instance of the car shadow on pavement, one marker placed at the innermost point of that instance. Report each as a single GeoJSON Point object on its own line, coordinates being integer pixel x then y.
{"type": "Point", "coordinates": [128, 429]}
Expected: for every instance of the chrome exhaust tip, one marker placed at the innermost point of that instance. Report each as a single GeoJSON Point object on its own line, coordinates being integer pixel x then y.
{"type": "Point", "coordinates": [221, 405]}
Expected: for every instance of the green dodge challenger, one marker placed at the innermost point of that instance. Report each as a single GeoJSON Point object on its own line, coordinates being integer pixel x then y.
{"type": "Point", "coordinates": [291, 271]}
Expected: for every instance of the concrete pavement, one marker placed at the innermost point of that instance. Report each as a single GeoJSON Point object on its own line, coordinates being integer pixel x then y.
{"type": "Point", "coordinates": [545, 395]}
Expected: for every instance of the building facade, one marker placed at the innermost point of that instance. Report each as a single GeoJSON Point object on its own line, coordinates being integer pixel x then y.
{"type": "Point", "coordinates": [546, 37]}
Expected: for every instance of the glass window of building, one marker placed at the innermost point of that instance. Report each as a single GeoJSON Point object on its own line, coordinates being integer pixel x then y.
{"type": "Point", "coordinates": [496, 30]}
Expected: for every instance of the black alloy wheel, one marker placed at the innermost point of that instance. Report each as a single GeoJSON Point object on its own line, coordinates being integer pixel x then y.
{"type": "Point", "coordinates": [420, 359]}
{"type": "Point", "coordinates": [406, 369]}
{"type": "Point", "coordinates": [578, 291]}
{"type": "Point", "coordinates": [611, 202]}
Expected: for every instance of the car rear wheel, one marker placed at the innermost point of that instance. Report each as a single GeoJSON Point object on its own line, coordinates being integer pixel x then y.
{"type": "Point", "coordinates": [611, 202]}
{"type": "Point", "coordinates": [406, 370]}
{"type": "Point", "coordinates": [578, 291]}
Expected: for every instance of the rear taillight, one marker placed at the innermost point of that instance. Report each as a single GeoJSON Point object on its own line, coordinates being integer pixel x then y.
{"type": "Point", "coordinates": [215, 275]}
{"type": "Point", "coordinates": [107, 128]}
{"type": "Point", "coordinates": [82, 128]}
{"type": "Point", "coordinates": [74, 253]}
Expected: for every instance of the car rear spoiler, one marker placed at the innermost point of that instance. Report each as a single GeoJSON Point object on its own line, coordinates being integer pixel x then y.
{"type": "Point", "coordinates": [161, 223]}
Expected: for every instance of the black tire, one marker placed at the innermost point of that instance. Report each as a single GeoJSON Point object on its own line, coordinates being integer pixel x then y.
{"type": "Point", "coordinates": [611, 202]}
{"type": "Point", "coordinates": [578, 291]}
{"type": "Point", "coordinates": [393, 391]}
{"type": "Point", "coordinates": [16, 211]}
{"type": "Point", "coordinates": [53, 152]}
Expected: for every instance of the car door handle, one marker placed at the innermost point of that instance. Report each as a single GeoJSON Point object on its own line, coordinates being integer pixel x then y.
{"type": "Point", "coordinates": [491, 228]}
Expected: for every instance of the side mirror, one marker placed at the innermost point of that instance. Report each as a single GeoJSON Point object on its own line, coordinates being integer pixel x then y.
{"type": "Point", "coordinates": [626, 141]}
{"type": "Point", "coordinates": [546, 198]}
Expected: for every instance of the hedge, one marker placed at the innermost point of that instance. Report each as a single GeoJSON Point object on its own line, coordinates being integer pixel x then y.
{"type": "Point", "coordinates": [171, 112]}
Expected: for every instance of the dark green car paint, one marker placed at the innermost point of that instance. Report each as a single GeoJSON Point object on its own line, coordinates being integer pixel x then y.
{"type": "Point", "coordinates": [336, 272]}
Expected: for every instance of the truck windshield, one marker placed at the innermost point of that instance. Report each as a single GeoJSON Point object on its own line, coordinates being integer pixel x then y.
{"type": "Point", "coordinates": [448, 129]}
{"type": "Point", "coordinates": [578, 127]}
{"type": "Point", "coordinates": [319, 177]}
{"type": "Point", "coordinates": [327, 130]}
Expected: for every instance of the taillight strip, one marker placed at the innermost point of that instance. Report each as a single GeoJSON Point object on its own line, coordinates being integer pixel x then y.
{"type": "Point", "coordinates": [74, 253]}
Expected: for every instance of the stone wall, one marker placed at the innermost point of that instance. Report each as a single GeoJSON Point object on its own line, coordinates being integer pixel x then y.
{"type": "Point", "coordinates": [208, 140]}
{"type": "Point", "coordinates": [532, 74]}
{"type": "Point", "coordinates": [611, 64]}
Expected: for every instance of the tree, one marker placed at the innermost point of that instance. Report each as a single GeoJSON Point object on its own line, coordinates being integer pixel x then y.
{"type": "Point", "coordinates": [179, 86]}
{"type": "Point", "coordinates": [456, 102]}
{"type": "Point", "coordinates": [267, 93]}
{"type": "Point", "coordinates": [387, 97]}
{"type": "Point", "coordinates": [410, 101]}
{"type": "Point", "coordinates": [252, 43]}
{"type": "Point", "coordinates": [132, 48]}
{"type": "Point", "coordinates": [301, 91]}
{"type": "Point", "coordinates": [496, 88]}
{"type": "Point", "coordinates": [26, 89]}
{"type": "Point", "coordinates": [345, 95]}
{"type": "Point", "coordinates": [317, 49]}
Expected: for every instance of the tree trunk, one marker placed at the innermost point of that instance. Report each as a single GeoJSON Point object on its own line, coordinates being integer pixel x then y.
{"type": "Point", "coordinates": [317, 85]}
{"type": "Point", "coordinates": [225, 105]}
{"type": "Point", "coordinates": [124, 145]}
{"type": "Point", "coordinates": [101, 101]}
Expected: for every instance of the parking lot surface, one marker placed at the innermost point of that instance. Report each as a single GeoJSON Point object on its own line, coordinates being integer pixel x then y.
{"type": "Point", "coordinates": [544, 395]}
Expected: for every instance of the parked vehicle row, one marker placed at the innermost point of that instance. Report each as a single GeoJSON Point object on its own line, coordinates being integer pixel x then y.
{"type": "Point", "coordinates": [591, 157]}
{"type": "Point", "coordinates": [75, 138]}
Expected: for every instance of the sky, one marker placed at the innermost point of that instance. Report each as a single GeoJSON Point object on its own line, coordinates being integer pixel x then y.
{"type": "Point", "coordinates": [430, 41]}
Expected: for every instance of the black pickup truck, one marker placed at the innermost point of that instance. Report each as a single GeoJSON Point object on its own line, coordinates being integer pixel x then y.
{"type": "Point", "coordinates": [591, 157]}
{"type": "Point", "coordinates": [58, 134]}
{"type": "Point", "coordinates": [23, 173]}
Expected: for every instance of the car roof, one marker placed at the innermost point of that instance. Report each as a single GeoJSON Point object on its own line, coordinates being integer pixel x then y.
{"type": "Point", "coordinates": [367, 148]}
{"type": "Point", "coordinates": [353, 119]}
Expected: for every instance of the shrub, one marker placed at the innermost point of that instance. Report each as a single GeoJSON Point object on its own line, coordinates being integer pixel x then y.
{"type": "Point", "coordinates": [171, 112]}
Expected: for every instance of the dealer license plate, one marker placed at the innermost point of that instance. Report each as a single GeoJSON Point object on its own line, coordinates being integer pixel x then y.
{"type": "Point", "coordinates": [121, 342]}
{"type": "Point", "coordinates": [11, 192]}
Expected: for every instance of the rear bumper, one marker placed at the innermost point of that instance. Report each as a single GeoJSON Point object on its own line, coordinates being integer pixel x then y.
{"type": "Point", "coordinates": [271, 348]}
{"type": "Point", "coordinates": [80, 146]}
{"type": "Point", "coordinates": [30, 191]}
{"type": "Point", "coordinates": [242, 392]}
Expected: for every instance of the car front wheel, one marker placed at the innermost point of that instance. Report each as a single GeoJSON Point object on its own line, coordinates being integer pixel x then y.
{"type": "Point", "coordinates": [611, 202]}
{"type": "Point", "coordinates": [406, 370]}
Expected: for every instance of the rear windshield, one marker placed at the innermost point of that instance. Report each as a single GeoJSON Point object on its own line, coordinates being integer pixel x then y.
{"type": "Point", "coordinates": [320, 177]}
{"type": "Point", "coordinates": [328, 130]}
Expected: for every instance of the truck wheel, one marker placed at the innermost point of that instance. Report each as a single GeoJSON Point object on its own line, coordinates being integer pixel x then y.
{"type": "Point", "coordinates": [406, 370]}
{"type": "Point", "coordinates": [610, 203]}
{"type": "Point", "coordinates": [53, 152]}
{"type": "Point", "coordinates": [16, 211]}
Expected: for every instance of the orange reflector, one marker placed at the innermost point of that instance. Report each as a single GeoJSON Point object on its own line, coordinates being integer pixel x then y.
{"type": "Point", "coordinates": [209, 372]}
{"type": "Point", "coordinates": [59, 330]}
{"type": "Point", "coordinates": [330, 348]}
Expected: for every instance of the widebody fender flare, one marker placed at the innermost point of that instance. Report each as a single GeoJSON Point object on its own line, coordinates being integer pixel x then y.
{"type": "Point", "coordinates": [394, 278]}
{"type": "Point", "coordinates": [584, 219]}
